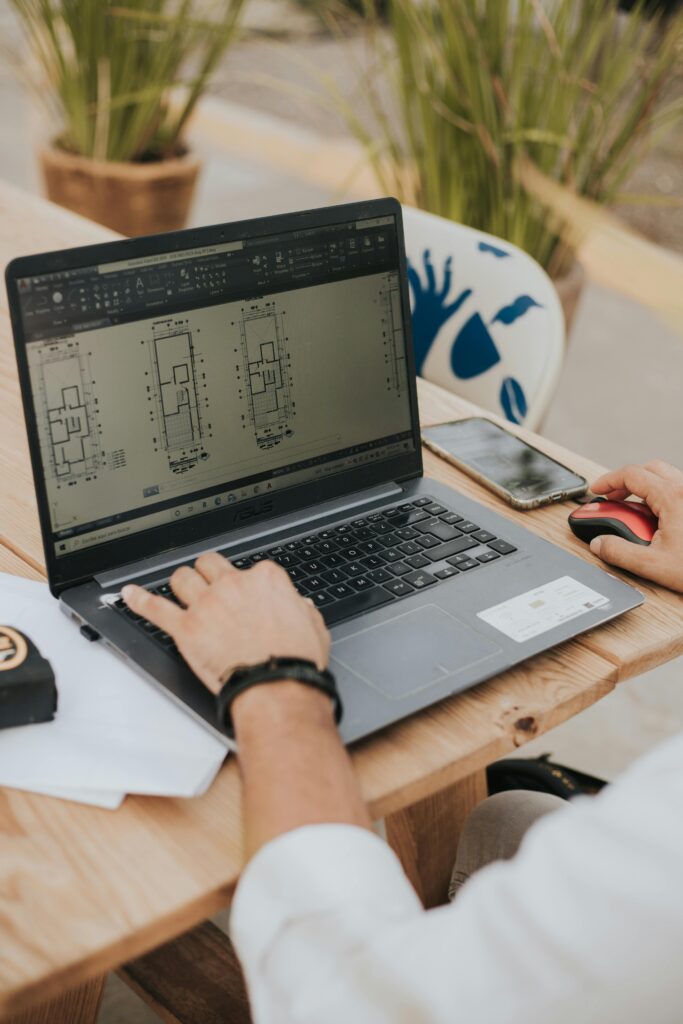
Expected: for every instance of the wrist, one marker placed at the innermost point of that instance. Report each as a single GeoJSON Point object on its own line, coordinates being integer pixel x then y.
{"type": "Point", "coordinates": [279, 704]}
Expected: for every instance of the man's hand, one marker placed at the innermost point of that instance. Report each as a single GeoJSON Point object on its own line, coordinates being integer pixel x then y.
{"type": "Point", "coordinates": [661, 488]}
{"type": "Point", "coordinates": [234, 617]}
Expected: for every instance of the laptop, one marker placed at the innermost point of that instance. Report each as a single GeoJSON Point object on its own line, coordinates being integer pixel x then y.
{"type": "Point", "coordinates": [250, 389]}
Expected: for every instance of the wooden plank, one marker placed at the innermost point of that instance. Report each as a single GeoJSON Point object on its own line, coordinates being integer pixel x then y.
{"type": "Point", "coordinates": [425, 836]}
{"type": "Point", "coordinates": [77, 1006]}
{"type": "Point", "coordinates": [196, 979]}
{"type": "Point", "coordinates": [11, 563]}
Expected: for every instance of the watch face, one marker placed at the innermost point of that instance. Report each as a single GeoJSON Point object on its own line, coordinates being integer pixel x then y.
{"type": "Point", "coordinates": [13, 649]}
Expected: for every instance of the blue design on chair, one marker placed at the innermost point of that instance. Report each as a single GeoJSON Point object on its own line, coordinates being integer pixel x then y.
{"type": "Point", "coordinates": [474, 351]}
{"type": "Point", "coordinates": [431, 310]}
{"type": "Point", "coordinates": [513, 400]}
{"type": "Point", "coordinates": [494, 250]}
{"type": "Point", "coordinates": [521, 305]}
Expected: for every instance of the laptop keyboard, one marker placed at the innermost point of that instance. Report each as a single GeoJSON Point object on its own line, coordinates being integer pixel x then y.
{"type": "Point", "coordinates": [350, 569]}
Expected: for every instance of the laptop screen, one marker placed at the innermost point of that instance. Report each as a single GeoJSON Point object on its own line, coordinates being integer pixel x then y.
{"type": "Point", "coordinates": [168, 386]}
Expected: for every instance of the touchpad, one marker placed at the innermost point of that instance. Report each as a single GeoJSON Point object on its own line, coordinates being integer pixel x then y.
{"type": "Point", "coordinates": [412, 651]}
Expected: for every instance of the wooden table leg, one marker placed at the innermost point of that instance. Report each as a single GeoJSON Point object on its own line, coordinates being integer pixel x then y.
{"type": "Point", "coordinates": [77, 1006]}
{"type": "Point", "coordinates": [425, 836]}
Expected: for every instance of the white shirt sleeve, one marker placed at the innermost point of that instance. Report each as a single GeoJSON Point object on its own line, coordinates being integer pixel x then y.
{"type": "Point", "coordinates": [585, 924]}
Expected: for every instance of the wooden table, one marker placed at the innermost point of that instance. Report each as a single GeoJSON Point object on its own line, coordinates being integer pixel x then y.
{"type": "Point", "coordinates": [83, 890]}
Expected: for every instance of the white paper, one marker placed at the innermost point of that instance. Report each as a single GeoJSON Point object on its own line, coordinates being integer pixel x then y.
{"type": "Point", "coordinates": [543, 608]}
{"type": "Point", "coordinates": [91, 797]}
{"type": "Point", "coordinates": [114, 732]}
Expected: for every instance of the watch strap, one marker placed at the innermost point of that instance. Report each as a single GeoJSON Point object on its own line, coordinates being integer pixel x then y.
{"type": "Point", "coordinates": [276, 670]}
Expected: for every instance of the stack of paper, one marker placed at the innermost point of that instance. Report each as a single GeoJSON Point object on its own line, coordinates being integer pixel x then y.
{"type": "Point", "coordinates": [114, 733]}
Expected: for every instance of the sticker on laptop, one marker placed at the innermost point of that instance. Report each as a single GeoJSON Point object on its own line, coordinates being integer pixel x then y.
{"type": "Point", "coordinates": [544, 608]}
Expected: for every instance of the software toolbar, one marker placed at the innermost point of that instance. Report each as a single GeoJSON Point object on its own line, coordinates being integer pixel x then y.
{"type": "Point", "coordinates": [88, 298]}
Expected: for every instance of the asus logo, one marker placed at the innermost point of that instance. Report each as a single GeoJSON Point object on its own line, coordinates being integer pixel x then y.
{"type": "Point", "coordinates": [261, 508]}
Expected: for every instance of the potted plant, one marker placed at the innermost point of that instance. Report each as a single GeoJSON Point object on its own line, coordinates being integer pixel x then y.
{"type": "Point", "coordinates": [465, 90]}
{"type": "Point", "coordinates": [121, 81]}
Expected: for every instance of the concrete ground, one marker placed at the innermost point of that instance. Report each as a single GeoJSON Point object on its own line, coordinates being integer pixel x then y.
{"type": "Point", "coordinates": [618, 400]}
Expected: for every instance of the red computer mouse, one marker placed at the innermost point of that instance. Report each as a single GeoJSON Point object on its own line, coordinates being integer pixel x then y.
{"type": "Point", "coordinates": [631, 520]}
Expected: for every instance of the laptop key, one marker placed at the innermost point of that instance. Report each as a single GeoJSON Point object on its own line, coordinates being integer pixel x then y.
{"type": "Point", "coordinates": [444, 574]}
{"type": "Point", "coordinates": [340, 590]}
{"type": "Point", "coordinates": [465, 526]}
{"type": "Point", "coordinates": [312, 568]}
{"type": "Point", "coordinates": [316, 582]}
{"type": "Point", "coordinates": [443, 532]}
{"type": "Point", "coordinates": [286, 560]}
{"type": "Point", "coordinates": [400, 588]}
{"type": "Point", "coordinates": [483, 536]}
{"type": "Point", "coordinates": [295, 573]}
{"type": "Point", "coordinates": [355, 569]}
{"type": "Point", "coordinates": [332, 560]}
{"type": "Point", "coordinates": [380, 576]}
{"type": "Point", "coordinates": [392, 555]}
{"type": "Point", "coordinates": [242, 563]}
{"type": "Point", "coordinates": [469, 563]}
{"type": "Point", "coordinates": [361, 583]}
{"type": "Point", "coordinates": [488, 556]}
{"type": "Point", "coordinates": [373, 562]}
{"type": "Point", "coordinates": [502, 547]}
{"type": "Point", "coordinates": [420, 579]}
{"type": "Point", "coordinates": [334, 576]}
{"type": "Point", "coordinates": [423, 501]}
{"type": "Point", "coordinates": [354, 553]}
{"type": "Point", "coordinates": [451, 547]}
{"type": "Point", "coordinates": [399, 569]}
{"type": "Point", "coordinates": [382, 527]}
{"type": "Point", "coordinates": [409, 547]}
{"type": "Point", "coordinates": [406, 532]}
{"type": "Point", "coordinates": [320, 598]}
{"type": "Point", "coordinates": [360, 603]}
{"type": "Point", "coordinates": [451, 518]}
{"type": "Point", "coordinates": [427, 541]}
{"type": "Point", "coordinates": [371, 547]}
{"type": "Point", "coordinates": [417, 561]}
{"type": "Point", "coordinates": [327, 547]}
{"type": "Point", "coordinates": [364, 534]}
{"type": "Point", "coordinates": [435, 509]}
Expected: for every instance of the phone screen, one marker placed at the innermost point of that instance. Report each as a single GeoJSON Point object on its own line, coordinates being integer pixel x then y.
{"type": "Point", "coordinates": [502, 458]}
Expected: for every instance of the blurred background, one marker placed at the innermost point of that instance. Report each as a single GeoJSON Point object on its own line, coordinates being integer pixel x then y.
{"type": "Point", "coordinates": [263, 106]}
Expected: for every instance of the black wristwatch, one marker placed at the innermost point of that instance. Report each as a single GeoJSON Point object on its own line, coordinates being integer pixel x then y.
{"type": "Point", "coordinates": [276, 670]}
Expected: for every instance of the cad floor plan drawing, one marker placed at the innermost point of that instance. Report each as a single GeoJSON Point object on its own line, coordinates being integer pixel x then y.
{"type": "Point", "coordinates": [267, 373]}
{"type": "Point", "coordinates": [177, 383]}
{"type": "Point", "coordinates": [69, 413]}
{"type": "Point", "coordinates": [392, 333]}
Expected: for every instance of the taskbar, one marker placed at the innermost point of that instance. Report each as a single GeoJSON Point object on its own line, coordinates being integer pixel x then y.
{"type": "Point", "coordinates": [311, 471]}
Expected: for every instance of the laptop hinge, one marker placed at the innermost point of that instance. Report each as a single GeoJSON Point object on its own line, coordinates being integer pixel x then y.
{"type": "Point", "coordinates": [293, 522]}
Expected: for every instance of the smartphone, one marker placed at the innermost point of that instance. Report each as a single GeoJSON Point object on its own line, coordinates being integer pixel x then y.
{"type": "Point", "coordinates": [518, 472]}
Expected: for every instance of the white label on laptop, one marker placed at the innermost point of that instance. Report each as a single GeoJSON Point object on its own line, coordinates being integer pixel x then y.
{"type": "Point", "coordinates": [544, 608]}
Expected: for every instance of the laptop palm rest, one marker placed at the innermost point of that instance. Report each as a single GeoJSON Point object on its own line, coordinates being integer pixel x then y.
{"type": "Point", "coordinates": [411, 652]}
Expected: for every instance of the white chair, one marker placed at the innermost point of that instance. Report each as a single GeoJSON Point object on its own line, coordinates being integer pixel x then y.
{"type": "Point", "coordinates": [487, 321]}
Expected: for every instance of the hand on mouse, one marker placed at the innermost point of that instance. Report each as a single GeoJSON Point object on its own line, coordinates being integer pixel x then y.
{"type": "Point", "coordinates": [234, 617]}
{"type": "Point", "coordinates": [661, 488]}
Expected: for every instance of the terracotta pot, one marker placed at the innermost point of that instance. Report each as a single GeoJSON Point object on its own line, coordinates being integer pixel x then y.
{"type": "Point", "coordinates": [131, 198]}
{"type": "Point", "coordinates": [570, 288]}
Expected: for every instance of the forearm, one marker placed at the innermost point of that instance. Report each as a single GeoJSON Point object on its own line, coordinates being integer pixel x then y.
{"type": "Point", "coordinates": [294, 767]}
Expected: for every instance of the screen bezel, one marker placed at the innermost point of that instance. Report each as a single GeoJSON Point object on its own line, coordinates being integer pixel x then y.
{"type": "Point", "coordinates": [79, 567]}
